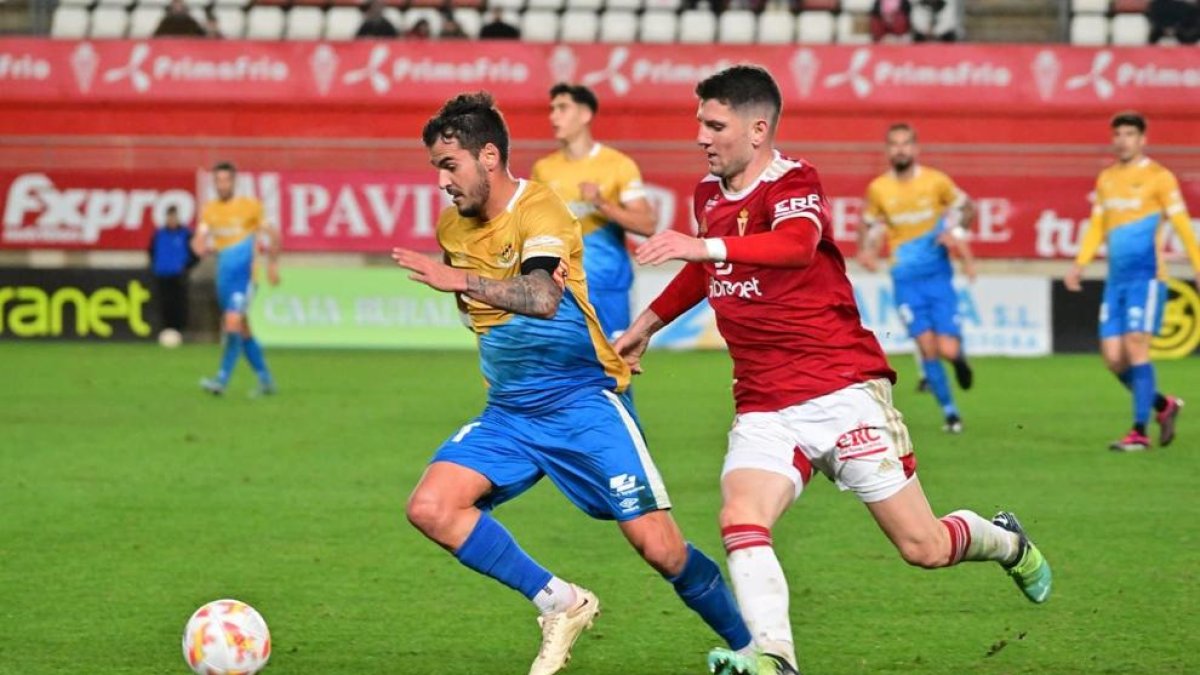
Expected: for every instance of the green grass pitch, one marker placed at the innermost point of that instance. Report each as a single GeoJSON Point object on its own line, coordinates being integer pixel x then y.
{"type": "Point", "coordinates": [128, 498]}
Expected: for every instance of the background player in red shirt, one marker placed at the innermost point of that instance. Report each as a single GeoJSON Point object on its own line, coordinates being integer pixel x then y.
{"type": "Point", "coordinates": [812, 386]}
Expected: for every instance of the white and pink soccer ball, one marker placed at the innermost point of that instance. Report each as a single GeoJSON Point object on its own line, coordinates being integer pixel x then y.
{"type": "Point", "coordinates": [226, 637]}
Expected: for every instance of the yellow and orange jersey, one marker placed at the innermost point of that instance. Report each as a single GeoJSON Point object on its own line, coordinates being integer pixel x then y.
{"type": "Point", "coordinates": [914, 213]}
{"type": "Point", "coordinates": [234, 226]}
{"type": "Point", "coordinates": [528, 362]}
{"type": "Point", "coordinates": [1128, 211]}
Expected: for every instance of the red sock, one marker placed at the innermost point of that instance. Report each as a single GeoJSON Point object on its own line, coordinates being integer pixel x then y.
{"type": "Point", "coordinates": [960, 537]}
{"type": "Point", "coordinates": [737, 537]}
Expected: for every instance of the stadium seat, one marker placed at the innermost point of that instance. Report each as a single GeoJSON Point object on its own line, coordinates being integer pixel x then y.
{"type": "Point", "coordinates": [618, 26]}
{"type": "Point", "coordinates": [69, 23]}
{"type": "Point", "coordinates": [304, 23]}
{"type": "Point", "coordinates": [546, 4]}
{"type": "Point", "coordinates": [658, 26]}
{"type": "Point", "coordinates": [776, 27]}
{"type": "Point", "coordinates": [736, 26]}
{"type": "Point", "coordinates": [108, 22]}
{"type": "Point", "coordinates": [672, 5]}
{"type": "Point", "coordinates": [697, 26]}
{"type": "Point", "coordinates": [1130, 29]}
{"type": "Point", "coordinates": [264, 23]}
{"type": "Point", "coordinates": [114, 3]}
{"type": "Point", "coordinates": [231, 21]}
{"type": "Point", "coordinates": [394, 17]}
{"type": "Point", "coordinates": [539, 25]}
{"type": "Point", "coordinates": [470, 19]}
{"type": "Point", "coordinates": [579, 25]}
{"type": "Point", "coordinates": [631, 5]}
{"type": "Point", "coordinates": [1089, 30]}
{"type": "Point", "coordinates": [341, 23]}
{"type": "Point", "coordinates": [75, 3]}
{"type": "Point", "coordinates": [143, 21]}
{"type": "Point", "coordinates": [515, 5]}
{"type": "Point", "coordinates": [815, 27]}
{"type": "Point", "coordinates": [1089, 6]}
{"type": "Point", "coordinates": [851, 29]}
{"type": "Point", "coordinates": [229, 3]}
{"type": "Point", "coordinates": [433, 16]}
{"type": "Point", "coordinates": [857, 6]}
{"type": "Point", "coordinates": [590, 5]}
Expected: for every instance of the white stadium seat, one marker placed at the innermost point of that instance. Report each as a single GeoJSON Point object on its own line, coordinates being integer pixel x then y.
{"type": "Point", "coordinates": [736, 26]}
{"type": "Point", "coordinates": [515, 5]}
{"type": "Point", "coordinates": [394, 17]}
{"type": "Point", "coordinates": [109, 22]}
{"type": "Point", "coordinates": [857, 6]}
{"type": "Point", "coordinates": [305, 23]}
{"type": "Point", "coordinates": [230, 3]}
{"type": "Point", "coordinates": [618, 26]}
{"type": "Point", "coordinates": [264, 23]}
{"type": "Point", "coordinates": [659, 26]}
{"type": "Point", "coordinates": [697, 26]}
{"type": "Point", "coordinates": [776, 27]}
{"type": "Point", "coordinates": [470, 20]}
{"type": "Point", "coordinates": [631, 5]}
{"type": "Point", "coordinates": [231, 21]}
{"type": "Point", "coordinates": [69, 22]}
{"type": "Point", "coordinates": [847, 30]}
{"type": "Point", "coordinates": [341, 23]}
{"type": "Point", "coordinates": [539, 25]}
{"type": "Point", "coordinates": [815, 27]}
{"type": "Point", "coordinates": [1130, 29]}
{"type": "Point", "coordinates": [591, 5]}
{"type": "Point", "coordinates": [75, 3]}
{"type": "Point", "coordinates": [1089, 6]}
{"type": "Point", "coordinates": [1089, 30]}
{"type": "Point", "coordinates": [144, 21]}
{"type": "Point", "coordinates": [546, 4]}
{"type": "Point", "coordinates": [114, 3]}
{"type": "Point", "coordinates": [579, 25]}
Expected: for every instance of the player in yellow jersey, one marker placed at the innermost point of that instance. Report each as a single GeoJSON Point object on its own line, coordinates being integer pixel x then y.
{"type": "Point", "coordinates": [603, 188]}
{"type": "Point", "coordinates": [1132, 198]}
{"type": "Point", "coordinates": [924, 215]}
{"type": "Point", "coordinates": [231, 226]}
{"type": "Point", "coordinates": [557, 392]}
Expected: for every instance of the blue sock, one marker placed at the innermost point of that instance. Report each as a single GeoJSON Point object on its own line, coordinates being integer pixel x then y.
{"type": "Point", "coordinates": [1144, 387]}
{"type": "Point", "coordinates": [1126, 378]}
{"type": "Point", "coordinates": [229, 357]}
{"type": "Point", "coordinates": [492, 551]}
{"type": "Point", "coordinates": [703, 589]}
{"type": "Point", "coordinates": [254, 355]}
{"type": "Point", "coordinates": [935, 374]}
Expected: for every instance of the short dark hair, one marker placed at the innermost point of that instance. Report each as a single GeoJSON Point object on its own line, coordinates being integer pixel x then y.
{"type": "Point", "coordinates": [578, 93]}
{"type": "Point", "coordinates": [224, 166]}
{"type": "Point", "coordinates": [743, 86]}
{"type": "Point", "coordinates": [1129, 118]}
{"type": "Point", "coordinates": [902, 126]}
{"type": "Point", "coordinates": [472, 120]}
{"type": "Point", "coordinates": [172, 209]}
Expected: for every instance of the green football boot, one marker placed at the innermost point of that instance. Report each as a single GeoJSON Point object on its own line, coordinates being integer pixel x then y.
{"type": "Point", "coordinates": [1030, 571]}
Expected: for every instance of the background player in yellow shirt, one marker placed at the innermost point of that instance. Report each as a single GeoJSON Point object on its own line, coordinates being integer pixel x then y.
{"type": "Point", "coordinates": [1132, 198]}
{"type": "Point", "coordinates": [924, 215]}
{"type": "Point", "coordinates": [558, 402]}
{"type": "Point", "coordinates": [603, 188]}
{"type": "Point", "coordinates": [231, 226]}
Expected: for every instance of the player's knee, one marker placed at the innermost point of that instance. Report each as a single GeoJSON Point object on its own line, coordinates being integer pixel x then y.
{"type": "Point", "coordinates": [233, 323]}
{"type": "Point", "coordinates": [928, 553]}
{"type": "Point", "coordinates": [427, 513]}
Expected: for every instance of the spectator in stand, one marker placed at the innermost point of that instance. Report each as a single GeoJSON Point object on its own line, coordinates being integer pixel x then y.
{"type": "Point", "coordinates": [375, 24]}
{"type": "Point", "coordinates": [171, 258]}
{"type": "Point", "coordinates": [1178, 19]}
{"type": "Point", "coordinates": [178, 22]}
{"type": "Point", "coordinates": [889, 20]}
{"type": "Point", "coordinates": [935, 21]}
{"type": "Point", "coordinates": [497, 29]}
{"type": "Point", "coordinates": [420, 30]}
{"type": "Point", "coordinates": [212, 28]}
{"type": "Point", "coordinates": [452, 29]}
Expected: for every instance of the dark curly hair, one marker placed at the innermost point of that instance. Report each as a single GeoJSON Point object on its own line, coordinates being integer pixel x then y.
{"type": "Point", "coordinates": [471, 119]}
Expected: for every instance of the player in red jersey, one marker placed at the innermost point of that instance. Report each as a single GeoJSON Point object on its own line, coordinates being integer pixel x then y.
{"type": "Point", "coordinates": [812, 386]}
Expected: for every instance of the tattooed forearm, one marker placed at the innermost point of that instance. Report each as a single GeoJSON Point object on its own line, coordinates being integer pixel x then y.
{"type": "Point", "coordinates": [533, 294]}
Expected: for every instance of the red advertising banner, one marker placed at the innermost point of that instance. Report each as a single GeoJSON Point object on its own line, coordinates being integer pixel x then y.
{"type": "Point", "coordinates": [371, 211]}
{"type": "Point", "coordinates": [979, 77]}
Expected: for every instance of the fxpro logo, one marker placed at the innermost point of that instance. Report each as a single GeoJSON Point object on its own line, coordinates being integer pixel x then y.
{"type": "Point", "coordinates": [1106, 81]}
{"type": "Point", "coordinates": [382, 71]}
{"type": "Point", "coordinates": [144, 68]}
{"type": "Point", "coordinates": [864, 73]}
{"type": "Point", "coordinates": [33, 312]}
{"type": "Point", "coordinates": [623, 71]}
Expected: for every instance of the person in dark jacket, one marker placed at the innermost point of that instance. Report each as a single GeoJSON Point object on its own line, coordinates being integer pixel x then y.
{"type": "Point", "coordinates": [375, 24]}
{"type": "Point", "coordinates": [178, 22]}
{"type": "Point", "coordinates": [499, 29]}
{"type": "Point", "coordinates": [171, 258]}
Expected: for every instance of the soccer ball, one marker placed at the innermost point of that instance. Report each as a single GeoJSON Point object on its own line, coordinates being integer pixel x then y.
{"type": "Point", "coordinates": [170, 338]}
{"type": "Point", "coordinates": [226, 637]}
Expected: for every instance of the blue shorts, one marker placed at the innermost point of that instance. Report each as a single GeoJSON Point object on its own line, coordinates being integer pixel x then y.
{"type": "Point", "coordinates": [592, 449]}
{"type": "Point", "coordinates": [612, 308]}
{"type": "Point", "coordinates": [929, 304]}
{"type": "Point", "coordinates": [234, 293]}
{"type": "Point", "coordinates": [1132, 307]}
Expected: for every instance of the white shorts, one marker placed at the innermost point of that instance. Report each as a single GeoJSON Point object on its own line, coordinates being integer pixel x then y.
{"type": "Point", "coordinates": [854, 436]}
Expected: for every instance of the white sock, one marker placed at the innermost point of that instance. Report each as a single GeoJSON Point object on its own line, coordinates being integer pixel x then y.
{"type": "Point", "coordinates": [985, 540]}
{"type": "Point", "coordinates": [762, 595]}
{"type": "Point", "coordinates": [557, 596]}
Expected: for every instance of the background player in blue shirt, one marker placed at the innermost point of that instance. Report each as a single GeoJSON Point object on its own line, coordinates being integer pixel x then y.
{"type": "Point", "coordinates": [557, 392]}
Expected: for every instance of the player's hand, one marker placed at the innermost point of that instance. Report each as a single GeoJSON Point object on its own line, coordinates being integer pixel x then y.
{"type": "Point", "coordinates": [671, 245]}
{"type": "Point", "coordinates": [630, 346]}
{"type": "Point", "coordinates": [273, 273]}
{"type": "Point", "coordinates": [590, 193]}
{"type": "Point", "coordinates": [1073, 279]}
{"type": "Point", "coordinates": [430, 272]}
{"type": "Point", "coordinates": [868, 261]}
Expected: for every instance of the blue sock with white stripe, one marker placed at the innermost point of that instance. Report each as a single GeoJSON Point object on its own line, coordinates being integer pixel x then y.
{"type": "Point", "coordinates": [935, 374]}
{"type": "Point", "coordinates": [254, 355]}
{"type": "Point", "coordinates": [1142, 377]}
{"type": "Point", "coordinates": [229, 357]}
{"type": "Point", "coordinates": [703, 589]}
{"type": "Point", "coordinates": [492, 551]}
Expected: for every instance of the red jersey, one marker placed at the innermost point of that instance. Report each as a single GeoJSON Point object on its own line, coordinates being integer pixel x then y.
{"type": "Point", "coordinates": [794, 333]}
